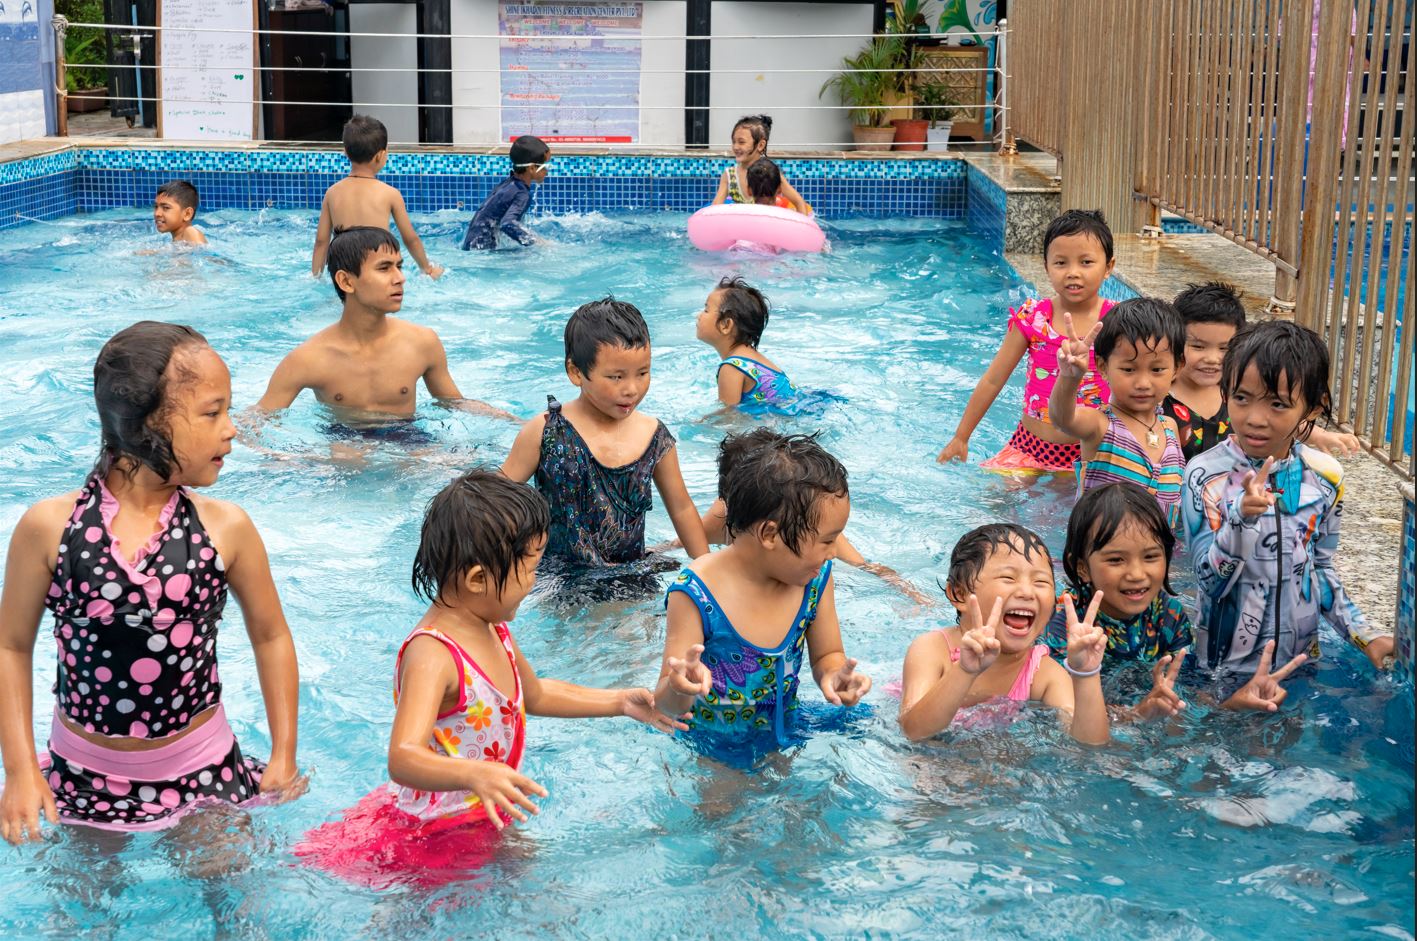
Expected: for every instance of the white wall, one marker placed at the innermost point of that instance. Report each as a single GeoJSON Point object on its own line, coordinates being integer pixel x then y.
{"type": "Point", "coordinates": [665, 126]}
{"type": "Point", "coordinates": [734, 95]}
{"type": "Point", "coordinates": [371, 89]}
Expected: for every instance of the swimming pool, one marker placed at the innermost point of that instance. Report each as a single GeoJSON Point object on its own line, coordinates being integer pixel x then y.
{"type": "Point", "coordinates": [1231, 827]}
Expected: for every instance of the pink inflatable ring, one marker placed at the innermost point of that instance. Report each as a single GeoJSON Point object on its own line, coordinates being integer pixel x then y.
{"type": "Point", "coordinates": [716, 228]}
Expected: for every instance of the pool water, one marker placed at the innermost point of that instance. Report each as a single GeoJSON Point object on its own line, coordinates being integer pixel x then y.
{"type": "Point", "coordinates": [1220, 826]}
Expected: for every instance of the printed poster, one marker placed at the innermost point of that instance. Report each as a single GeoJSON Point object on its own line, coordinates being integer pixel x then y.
{"type": "Point", "coordinates": [571, 71]}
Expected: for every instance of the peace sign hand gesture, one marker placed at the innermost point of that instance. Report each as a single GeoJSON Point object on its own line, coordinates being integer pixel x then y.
{"type": "Point", "coordinates": [1087, 642]}
{"type": "Point", "coordinates": [979, 646]}
{"type": "Point", "coordinates": [689, 677]}
{"type": "Point", "coordinates": [1163, 701]}
{"type": "Point", "coordinates": [1263, 692]}
{"type": "Point", "coordinates": [1257, 497]}
{"type": "Point", "coordinates": [1073, 359]}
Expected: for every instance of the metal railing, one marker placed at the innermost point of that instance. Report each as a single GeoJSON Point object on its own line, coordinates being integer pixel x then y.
{"type": "Point", "coordinates": [897, 104]}
{"type": "Point", "coordinates": [1207, 114]}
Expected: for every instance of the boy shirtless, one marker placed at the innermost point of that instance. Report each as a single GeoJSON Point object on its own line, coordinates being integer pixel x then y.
{"type": "Point", "coordinates": [361, 199]}
{"type": "Point", "coordinates": [366, 366]}
{"type": "Point", "coordinates": [174, 208]}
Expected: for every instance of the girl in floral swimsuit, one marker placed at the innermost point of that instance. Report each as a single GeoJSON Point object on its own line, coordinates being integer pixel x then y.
{"type": "Point", "coordinates": [135, 568]}
{"type": "Point", "coordinates": [462, 689]}
{"type": "Point", "coordinates": [1077, 250]}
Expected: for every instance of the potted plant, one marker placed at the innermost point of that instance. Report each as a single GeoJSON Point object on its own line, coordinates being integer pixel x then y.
{"type": "Point", "coordinates": [935, 102]}
{"type": "Point", "coordinates": [87, 87]}
{"type": "Point", "coordinates": [869, 87]}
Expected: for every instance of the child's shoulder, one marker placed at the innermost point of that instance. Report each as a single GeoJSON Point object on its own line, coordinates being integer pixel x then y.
{"type": "Point", "coordinates": [934, 644]}
{"type": "Point", "coordinates": [1324, 465]}
{"type": "Point", "coordinates": [46, 518]}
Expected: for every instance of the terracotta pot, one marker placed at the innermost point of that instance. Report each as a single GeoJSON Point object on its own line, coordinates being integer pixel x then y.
{"type": "Point", "coordinates": [87, 99]}
{"type": "Point", "coordinates": [910, 134]}
{"type": "Point", "coordinates": [872, 138]}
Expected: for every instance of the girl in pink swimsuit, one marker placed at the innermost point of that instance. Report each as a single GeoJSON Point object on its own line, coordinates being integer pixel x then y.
{"type": "Point", "coordinates": [462, 689]}
{"type": "Point", "coordinates": [1077, 251]}
{"type": "Point", "coordinates": [979, 672]}
{"type": "Point", "coordinates": [136, 567]}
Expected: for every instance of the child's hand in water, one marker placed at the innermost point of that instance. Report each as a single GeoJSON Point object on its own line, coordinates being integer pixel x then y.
{"type": "Point", "coordinates": [956, 450]}
{"type": "Point", "coordinates": [1163, 701]}
{"type": "Point", "coordinates": [502, 788]}
{"type": "Point", "coordinates": [638, 704]}
{"type": "Point", "coordinates": [436, 271]}
{"type": "Point", "coordinates": [979, 646]}
{"type": "Point", "coordinates": [1257, 498]}
{"type": "Point", "coordinates": [1073, 353]}
{"type": "Point", "coordinates": [689, 677]}
{"type": "Point", "coordinates": [1263, 692]}
{"type": "Point", "coordinates": [844, 686]}
{"type": "Point", "coordinates": [1086, 641]}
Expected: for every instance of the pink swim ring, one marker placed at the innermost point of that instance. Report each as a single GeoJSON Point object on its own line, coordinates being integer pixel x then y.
{"type": "Point", "coordinates": [716, 228]}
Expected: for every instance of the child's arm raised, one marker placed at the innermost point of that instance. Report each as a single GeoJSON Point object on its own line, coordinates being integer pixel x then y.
{"type": "Point", "coordinates": [1086, 424]}
{"type": "Point", "coordinates": [683, 678]}
{"type": "Point", "coordinates": [1219, 551]}
{"type": "Point", "coordinates": [721, 197]}
{"type": "Point", "coordinates": [248, 572]}
{"type": "Point", "coordinates": [1335, 442]}
{"type": "Point", "coordinates": [682, 512]}
{"type": "Point", "coordinates": [322, 239]}
{"type": "Point", "coordinates": [1080, 691]}
{"type": "Point", "coordinates": [932, 691]}
{"type": "Point", "coordinates": [410, 238]}
{"type": "Point", "coordinates": [428, 675]}
{"type": "Point", "coordinates": [546, 697]}
{"type": "Point", "coordinates": [526, 451]}
{"type": "Point", "coordinates": [26, 793]}
{"type": "Point", "coordinates": [1003, 365]}
{"type": "Point", "coordinates": [440, 384]}
{"type": "Point", "coordinates": [834, 671]}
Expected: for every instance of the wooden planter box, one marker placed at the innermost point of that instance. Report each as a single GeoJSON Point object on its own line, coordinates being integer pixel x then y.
{"type": "Point", "coordinates": [87, 99]}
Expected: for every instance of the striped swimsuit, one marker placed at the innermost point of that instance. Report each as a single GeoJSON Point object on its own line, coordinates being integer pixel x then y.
{"type": "Point", "coordinates": [1120, 456]}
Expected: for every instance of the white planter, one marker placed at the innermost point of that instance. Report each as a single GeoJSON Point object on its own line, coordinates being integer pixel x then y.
{"type": "Point", "coordinates": [937, 137]}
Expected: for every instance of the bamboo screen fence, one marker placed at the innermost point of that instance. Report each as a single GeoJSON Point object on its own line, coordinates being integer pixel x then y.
{"type": "Point", "coordinates": [1301, 151]}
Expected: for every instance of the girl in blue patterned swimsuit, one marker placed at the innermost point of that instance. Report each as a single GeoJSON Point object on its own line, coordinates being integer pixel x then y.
{"type": "Point", "coordinates": [732, 322]}
{"type": "Point", "coordinates": [740, 619]}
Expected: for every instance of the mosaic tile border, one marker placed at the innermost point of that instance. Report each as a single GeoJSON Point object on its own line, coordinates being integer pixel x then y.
{"type": "Point", "coordinates": [117, 177]}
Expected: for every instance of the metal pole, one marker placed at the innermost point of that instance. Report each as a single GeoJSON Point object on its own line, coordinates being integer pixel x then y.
{"type": "Point", "coordinates": [1007, 146]}
{"type": "Point", "coordinates": [61, 86]}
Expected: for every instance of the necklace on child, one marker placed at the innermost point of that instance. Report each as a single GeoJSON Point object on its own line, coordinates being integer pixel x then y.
{"type": "Point", "coordinates": [1153, 439]}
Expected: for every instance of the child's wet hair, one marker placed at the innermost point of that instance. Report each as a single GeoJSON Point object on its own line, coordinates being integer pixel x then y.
{"type": "Point", "coordinates": [350, 247]}
{"type": "Point", "coordinates": [1104, 511]}
{"type": "Point", "coordinates": [130, 387]}
{"type": "Point", "coordinates": [746, 306]}
{"type": "Point", "coordinates": [527, 151]}
{"type": "Point", "coordinates": [606, 322]}
{"type": "Point", "coordinates": [1079, 222]}
{"type": "Point", "coordinates": [1144, 322]}
{"type": "Point", "coordinates": [364, 137]}
{"type": "Point", "coordinates": [764, 179]}
{"type": "Point", "coordinates": [181, 192]}
{"type": "Point", "coordinates": [759, 126]}
{"type": "Point", "coordinates": [733, 447]}
{"type": "Point", "coordinates": [976, 547]}
{"type": "Point", "coordinates": [1212, 302]}
{"type": "Point", "coordinates": [1281, 348]}
{"type": "Point", "coordinates": [781, 480]}
{"type": "Point", "coordinates": [480, 518]}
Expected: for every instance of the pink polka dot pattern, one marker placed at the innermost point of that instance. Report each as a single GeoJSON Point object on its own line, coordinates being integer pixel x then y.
{"type": "Point", "coordinates": [119, 803]}
{"type": "Point", "coordinates": [136, 639]}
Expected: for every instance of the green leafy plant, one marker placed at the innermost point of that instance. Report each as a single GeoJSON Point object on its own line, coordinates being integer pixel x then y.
{"type": "Point", "coordinates": [869, 81]}
{"type": "Point", "coordinates": [83, 46]}
{"type": "Point", "coordinates": [935, 102]}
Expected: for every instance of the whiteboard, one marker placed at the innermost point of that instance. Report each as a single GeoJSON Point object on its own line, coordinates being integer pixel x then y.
{"type": "Point", "coordinates": [206, 80]}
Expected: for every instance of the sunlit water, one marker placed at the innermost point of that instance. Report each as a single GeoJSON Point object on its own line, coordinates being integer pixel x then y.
{"type": "Point", "coordinates": [1288, 826]}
